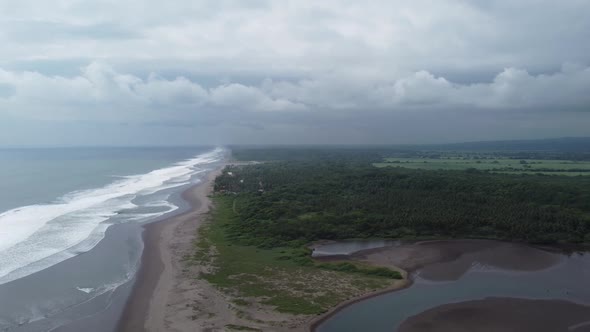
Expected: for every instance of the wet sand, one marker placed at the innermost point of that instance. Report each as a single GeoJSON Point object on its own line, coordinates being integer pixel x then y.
{"type": "Point", "coordinates": [450, 259]}
{"type": "Point", "coordinates": [502, 314]}
{"type": "Point", "coordinates": [169, 296]}
{"type": "Point", "coordinates": [148, 306]}
{"type": "Point", "coordinates": [54, 290]}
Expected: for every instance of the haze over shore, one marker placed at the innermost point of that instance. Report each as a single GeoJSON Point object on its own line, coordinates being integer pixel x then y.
{"type": "Point", "coordinates": [294, 165]}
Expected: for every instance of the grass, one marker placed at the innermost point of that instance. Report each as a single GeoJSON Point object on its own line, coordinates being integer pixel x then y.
{"type": "Point", "coordinates": [354, 268]}
{"type": "Point", "coordinates": [266, 277]}
{"type": "Point", "coordinates": [241, 302]}
{"type": "Point", "coordinates": [498, 165]}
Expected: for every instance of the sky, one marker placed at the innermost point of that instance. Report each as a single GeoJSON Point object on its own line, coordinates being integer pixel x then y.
{"type": "Point", "coordinates": [191, 72]}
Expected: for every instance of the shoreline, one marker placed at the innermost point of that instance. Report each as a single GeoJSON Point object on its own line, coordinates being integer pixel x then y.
{"type": "Point", "coordinates": [163, 297]}
{"type": "Point", "coordinates": [145, 309]}
{"type": "Point", "coordinates": [502, 314]}
{"type": "Point", "coordinates": [415, 260]}
{"type": "Point", "coordinates": [316, 322]}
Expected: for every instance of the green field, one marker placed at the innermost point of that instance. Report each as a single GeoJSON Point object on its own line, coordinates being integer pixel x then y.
{"type": "Point", "coordinates": [498, 165]}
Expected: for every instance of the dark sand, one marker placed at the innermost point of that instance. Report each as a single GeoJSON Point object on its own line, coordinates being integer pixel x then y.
{"type": "Point", "coordinates": [143, 299]}
{"type": "Point", "coordinates": [133, 317]}
{"type": "Point", "coordinates": [54, 289]}
{"type": "Point", "coordinates": [502, 314]}
{"type": "Point", "coordinates": [167, 295]}
{"type": "Point", "coordinates": [449, 260]}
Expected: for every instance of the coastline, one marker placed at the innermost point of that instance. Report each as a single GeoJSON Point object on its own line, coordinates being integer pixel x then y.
{"type": "Point", "coordinates": [424, 256]}
{"type": "Point", "coordinates": [363, 256]}
{"type": "Point", "coordinates": [145, 309]}
{"type": "Point", "coordinates": [166, 295]}
{"type": "Point", "coordinates": [316, 322]}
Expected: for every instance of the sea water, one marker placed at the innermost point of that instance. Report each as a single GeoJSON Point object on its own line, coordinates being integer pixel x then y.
{"type": "Point", "coordinates": [57, 209]}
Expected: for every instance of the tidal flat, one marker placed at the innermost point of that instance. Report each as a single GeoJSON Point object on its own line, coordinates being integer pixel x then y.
{"type": "Point", "coordinates": [478, 276]}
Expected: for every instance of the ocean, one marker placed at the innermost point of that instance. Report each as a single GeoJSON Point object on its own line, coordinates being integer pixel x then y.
{"type": "Point", "coordinates": [70, 227]}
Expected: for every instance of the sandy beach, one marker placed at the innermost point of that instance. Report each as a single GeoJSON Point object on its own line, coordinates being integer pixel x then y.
{"type": "Point", "coordinates": [168, 296]}
{"type": "Point", "coordinates": [162, 298]}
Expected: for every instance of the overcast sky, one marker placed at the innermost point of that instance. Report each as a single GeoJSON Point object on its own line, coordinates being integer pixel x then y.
{"type": "Point", "coordinates": [254, 71]}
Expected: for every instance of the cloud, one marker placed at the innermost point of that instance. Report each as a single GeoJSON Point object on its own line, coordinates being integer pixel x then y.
{"type": "Point", "coordinates": [100, 92]}
{"type": "Point", "coordinates": [250, 98]}
{"type": "Point", "coordinates": [299, 36]}
{"type": "Point", "coordinates": [421, 88]}
{"type": "Point", "coordinates": [270, 67]}
{"type": "Point", "coordinates": [41, 31]}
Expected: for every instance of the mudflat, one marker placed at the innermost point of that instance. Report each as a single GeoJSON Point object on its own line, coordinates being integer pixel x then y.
{"type": "Point", "coordinates": [450, 259]}
{"type": "Point", "coordinates": [502, 314]}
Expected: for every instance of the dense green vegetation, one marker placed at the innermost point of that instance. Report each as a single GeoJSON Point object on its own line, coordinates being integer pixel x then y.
{"type": "Point", "coordinates": [576, 149]}
{"type": "Point", "coordinates": [340, 195]}
{"type": "Point", "coordinates": [342, 154]}
{"type": "Point", "coordinates": [354, 268]}
{"type": "Point", "coordinates": [267, 213]}
{"type": "Point", "coordinates": [282, 277]}
{"type": "Point", "coordinates": [492, 163]}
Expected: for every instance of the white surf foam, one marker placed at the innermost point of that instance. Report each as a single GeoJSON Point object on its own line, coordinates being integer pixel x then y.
{"type": "Point", "coordinates": [37, 236]}
{"type": "Point", "coordinates": [85, 290]}
{"type": "Point", "coordinates": [139, 217]}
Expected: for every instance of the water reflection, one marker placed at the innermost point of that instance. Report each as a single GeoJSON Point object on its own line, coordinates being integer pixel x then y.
{"type": "Point", "coordinates": [457, 271]}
